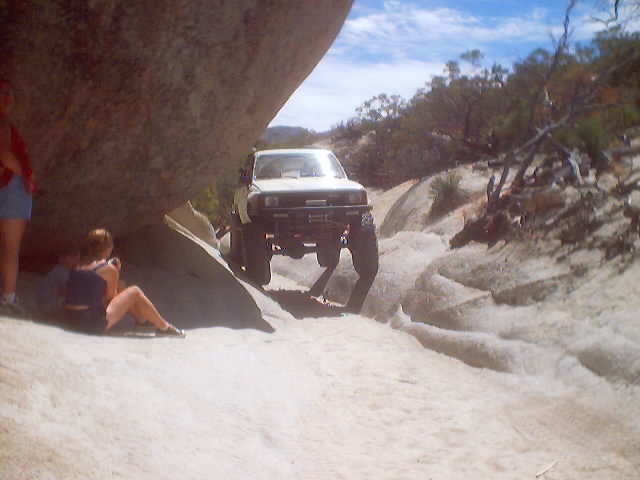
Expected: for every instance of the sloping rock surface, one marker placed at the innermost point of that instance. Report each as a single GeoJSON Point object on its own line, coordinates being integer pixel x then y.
{"type": "Point", "coordinates": [130, 108]}
{"type": "Point", "coordinates": [532, 305]}
{"type": "Point", "coordinates": [196, 222]}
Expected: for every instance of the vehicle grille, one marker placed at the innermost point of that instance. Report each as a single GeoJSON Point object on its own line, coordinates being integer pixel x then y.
{"type": "Point", "coordinates": [320, 199]}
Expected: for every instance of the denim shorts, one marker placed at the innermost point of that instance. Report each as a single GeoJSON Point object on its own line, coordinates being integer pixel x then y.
{"type": "Point", "coordinates": [15, 202]}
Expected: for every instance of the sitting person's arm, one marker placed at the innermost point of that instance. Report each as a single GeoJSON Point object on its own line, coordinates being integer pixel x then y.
{"type": "Point", "coordinates": [111, 275]}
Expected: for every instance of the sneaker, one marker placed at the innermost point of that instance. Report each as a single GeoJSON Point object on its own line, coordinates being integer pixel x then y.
{"type": "Point", "coordinates": [141, 329]}
{"type": "Point", "coordinates": [142, 326]}
{"type": "Point", "coordinates": [171, 331]}
{"type": "Point", "coordinates": [13, 309]}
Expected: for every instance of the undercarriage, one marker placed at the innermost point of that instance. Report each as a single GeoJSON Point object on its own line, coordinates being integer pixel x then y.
{"type": "Point", "coordinates": [254, 244]}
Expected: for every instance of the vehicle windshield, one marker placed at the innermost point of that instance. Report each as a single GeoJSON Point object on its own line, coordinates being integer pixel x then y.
{"type": "Point", "coordinates": [297, 164]}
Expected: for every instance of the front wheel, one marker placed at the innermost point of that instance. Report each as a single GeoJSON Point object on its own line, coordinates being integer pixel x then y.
{"type": "Point", "coordinates": [256, 256]}
{"type": "Point", "coordinates": [235, 242]}
{"type": "Point", "coordinates": [363, 245]}
{"type": "Point", "coordinates": [328, 253]}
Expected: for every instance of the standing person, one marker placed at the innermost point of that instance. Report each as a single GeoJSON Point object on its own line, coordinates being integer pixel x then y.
{"type": "Point", "coordinates": [95, 302]}
{"type": "Point", "coordinates": [16, 191]}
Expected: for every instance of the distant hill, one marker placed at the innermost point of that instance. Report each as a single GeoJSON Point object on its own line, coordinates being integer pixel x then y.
{"type": "Point", "coordinates": [282, 134]}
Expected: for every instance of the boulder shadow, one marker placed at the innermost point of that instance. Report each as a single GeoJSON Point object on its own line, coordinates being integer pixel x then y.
{"type": "Point", "coordinates": [302, 305]}
{"type": "Point", "coordinates": [187, 280]}
{"type": "Point", "coordinates": [190, 302]}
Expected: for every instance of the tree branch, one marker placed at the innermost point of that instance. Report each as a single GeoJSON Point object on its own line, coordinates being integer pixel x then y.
{"type": "Point", "coordinates": [561, 47]}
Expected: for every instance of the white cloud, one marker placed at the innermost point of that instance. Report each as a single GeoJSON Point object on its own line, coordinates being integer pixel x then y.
{"type": "Point", "coordinates": [337, 87]}
{"type": "Point", "coordinates": [408, 31]}
{"type": "Point", "coordinates": [397, 49]}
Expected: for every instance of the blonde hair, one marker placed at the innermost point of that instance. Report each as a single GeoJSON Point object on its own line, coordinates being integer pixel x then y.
{"type": "Point", "coordinates": [98, 241]}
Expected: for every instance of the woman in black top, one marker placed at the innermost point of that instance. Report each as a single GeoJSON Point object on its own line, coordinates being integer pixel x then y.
{"type": "Point", "coordinates": [95, 302]}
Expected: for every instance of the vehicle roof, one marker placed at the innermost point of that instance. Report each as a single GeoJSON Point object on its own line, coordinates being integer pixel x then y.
{"type": "Point", "coordinates": [293, 150]}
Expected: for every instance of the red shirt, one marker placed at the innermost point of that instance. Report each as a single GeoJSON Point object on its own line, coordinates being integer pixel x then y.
{"type": "Point", "coordinates": [19, 149]}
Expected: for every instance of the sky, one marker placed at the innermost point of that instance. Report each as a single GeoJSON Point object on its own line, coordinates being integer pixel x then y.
{"type": "Point", "coordinates": [396, 46]}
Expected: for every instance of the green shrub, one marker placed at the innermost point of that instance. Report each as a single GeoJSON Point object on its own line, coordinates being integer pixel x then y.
{"type": "Point", "coordinates": [215, 201]}
{"type": "Point", "coordinates": [447, 195]}
{"type": "Point", "coordinates": [592, 135]}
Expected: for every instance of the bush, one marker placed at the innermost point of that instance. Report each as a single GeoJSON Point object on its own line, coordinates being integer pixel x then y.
{"type": "Point", "coordinates": [593, 136]}
{"type": "Point", "coordinates": [447, 195]}
{"type": "Point", "coordinates": [216, 200]}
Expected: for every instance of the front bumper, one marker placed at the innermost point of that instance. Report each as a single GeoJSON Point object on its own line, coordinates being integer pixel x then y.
{"type": "Point", "coordinates": [311, 216]}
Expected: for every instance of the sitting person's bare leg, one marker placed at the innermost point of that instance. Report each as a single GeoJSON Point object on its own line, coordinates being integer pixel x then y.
{"type": "Point", "coordinates": [144, 311]}
{"type": "Point", "coordinates": [133, 300]}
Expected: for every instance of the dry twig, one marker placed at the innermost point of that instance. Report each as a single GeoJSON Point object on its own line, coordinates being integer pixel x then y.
{"type": "Point", "coordinates": [545, 470]}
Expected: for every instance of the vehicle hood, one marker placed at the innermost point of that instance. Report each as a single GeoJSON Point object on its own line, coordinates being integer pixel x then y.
{"type": "Point", "coordinates": [306, 184]}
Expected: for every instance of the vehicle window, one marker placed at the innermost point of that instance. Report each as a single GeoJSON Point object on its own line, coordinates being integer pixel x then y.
{"type": "Point", "coordinates": [296, 165]}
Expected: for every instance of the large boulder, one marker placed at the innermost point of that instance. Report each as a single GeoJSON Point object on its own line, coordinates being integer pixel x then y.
{"type": "Point", "coordinates": [196, 222]}
{"type": "Point", "coordinates": [131, 108]}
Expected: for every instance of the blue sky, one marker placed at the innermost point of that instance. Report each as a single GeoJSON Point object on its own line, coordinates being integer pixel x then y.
{"type": "Point", "coordinates": [396, 46]}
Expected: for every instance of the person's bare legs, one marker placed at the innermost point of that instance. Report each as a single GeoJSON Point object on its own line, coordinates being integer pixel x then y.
{"type": "Point", "coordinates": [133, 300]}
{"type": "Point", "coordinates": [11, 231]}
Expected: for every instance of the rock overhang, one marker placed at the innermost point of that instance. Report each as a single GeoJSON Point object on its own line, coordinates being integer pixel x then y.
{"type": "Point", "coordinates": [131, 108]}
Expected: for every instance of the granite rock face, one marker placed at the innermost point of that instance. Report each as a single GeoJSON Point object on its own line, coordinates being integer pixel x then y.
{"type": "Point", "coordinates": [131, 108]}
{"type": "Point", "coordinates": [196, 222]}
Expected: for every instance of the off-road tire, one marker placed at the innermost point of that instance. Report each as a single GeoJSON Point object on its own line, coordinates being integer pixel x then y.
{"type": "Point", "coordinates": [256, 256]}
{"type": "Point", "coordinates": [235, 241]}
{"type": "Point", "coordinates": [328, 256]}
{"type": "Point", "coordinates": [363, 245]}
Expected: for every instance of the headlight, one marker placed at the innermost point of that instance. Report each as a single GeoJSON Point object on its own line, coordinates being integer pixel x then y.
{"type": "Point", "coordinates": [270, 201]}
{"type": "Point", "coordinates": [358, 198]}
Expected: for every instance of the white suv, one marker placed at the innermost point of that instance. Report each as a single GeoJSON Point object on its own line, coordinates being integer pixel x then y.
{"type": "Point", "coordinates": [297, 201]}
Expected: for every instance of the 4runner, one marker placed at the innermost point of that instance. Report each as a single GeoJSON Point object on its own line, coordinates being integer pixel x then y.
{"type": "Point", "coordinates": [297, 201]}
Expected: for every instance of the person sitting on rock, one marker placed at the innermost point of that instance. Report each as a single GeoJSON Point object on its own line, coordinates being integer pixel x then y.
{"type": "Point", "coordinates": [95, 302]}
{"type": "Point", "coordinates": [53, 289]}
